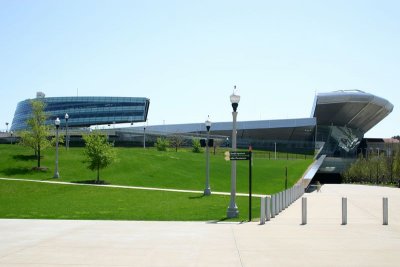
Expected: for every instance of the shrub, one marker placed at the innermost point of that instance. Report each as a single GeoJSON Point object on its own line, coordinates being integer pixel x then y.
{"type": "Point", "coordinates": [162, 144]}
{"type": "Point", "coordinates": [196, 147]}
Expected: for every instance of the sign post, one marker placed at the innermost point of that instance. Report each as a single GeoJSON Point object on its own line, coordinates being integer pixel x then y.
{"type": "Point", "coordinates": [250, 185]}
{"type": "Point", "coordinates": [245, 155]}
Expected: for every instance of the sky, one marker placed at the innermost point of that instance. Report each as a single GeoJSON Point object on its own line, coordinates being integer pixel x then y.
{"type": "Point", "coordinates": [186, 56]}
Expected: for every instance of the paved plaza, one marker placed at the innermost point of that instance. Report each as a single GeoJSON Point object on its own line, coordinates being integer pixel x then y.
{"type": "Point", "coordinates": [281, 242]}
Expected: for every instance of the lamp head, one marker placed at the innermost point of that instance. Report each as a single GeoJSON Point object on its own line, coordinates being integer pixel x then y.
{"type": "Point", "coordinates": [208, 124]}
{"type": "Point", "coordinates": [66, 116]}
{"type": "Point", "coordinates": [57, 122]}
{"type": "Point", "coordinates": [235, 98]}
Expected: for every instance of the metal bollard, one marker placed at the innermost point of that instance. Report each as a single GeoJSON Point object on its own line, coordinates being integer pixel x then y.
{"type": "Point", "coordinates": [273, 200]}
{"type": "Point", "coordinates": [262, 212]}
{"type": "Point", "coordinates": [291, 195]}
{"type": "Point", "coordinates": [268, 208]}
{"type": "Point", "coordinates": [344, 210]}
{"type": "Point", "coordinates": [287, 198]}
{"type": "Point", "coordinates": [385, 211]}
{"type": "Point", "coordinates": [276, 204]}
{"type": "Point", "coordinates": [283, 200]}
{"type": "Point", "coordinates": [278, 210]}
{"type": "Point", "coordinates": [304, 211]}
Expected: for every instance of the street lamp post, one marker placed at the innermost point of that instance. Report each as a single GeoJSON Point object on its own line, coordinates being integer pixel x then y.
{"type": "Point", "coordinates": [144, 137]}
{"type": "Point", "coordinates": [207, 190]}
{"type": "Point", "coordinates": [233, 211]}
{"type": "Point", "coordinates": [6, 127]}
{"type": "Point", "coordinates": [57, 124]}
{"type": "Point", "coordinates": [66, 131]}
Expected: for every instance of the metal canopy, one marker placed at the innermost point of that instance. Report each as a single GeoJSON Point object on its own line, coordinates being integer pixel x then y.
{"type": "Point", "coordinates": [355, 109]}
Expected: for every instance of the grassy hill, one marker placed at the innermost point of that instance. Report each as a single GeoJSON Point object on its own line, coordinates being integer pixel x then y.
{"type": "Point", "coordinates": [135, 167]}
{"type": "Point", "coordinates": [151, 168]}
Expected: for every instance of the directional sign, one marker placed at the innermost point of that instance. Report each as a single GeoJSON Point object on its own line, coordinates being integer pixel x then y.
{"type": "Point", "coordinates": [239, 155]}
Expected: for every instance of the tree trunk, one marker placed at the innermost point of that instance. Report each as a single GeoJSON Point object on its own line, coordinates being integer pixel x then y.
{"type": "Point", "coordinates": [38, 158]}
{"type": "Point", "coordinates": [98, 174]}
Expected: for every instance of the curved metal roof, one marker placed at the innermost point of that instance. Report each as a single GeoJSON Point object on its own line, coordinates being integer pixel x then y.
{"type": "Point", "coordinates": [288, 129]}
{"type": "Point", "coordinates": [350, 108]}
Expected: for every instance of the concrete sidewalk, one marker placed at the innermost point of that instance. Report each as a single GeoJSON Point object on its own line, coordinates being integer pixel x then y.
{"type": "Point", "coordinates": [281, 242]}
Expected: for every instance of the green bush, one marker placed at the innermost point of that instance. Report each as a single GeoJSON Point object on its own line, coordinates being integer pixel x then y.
{"type": "Point", "coordinates": [162, 144]}
{"type": "Point", "coordinates": [196, 147]}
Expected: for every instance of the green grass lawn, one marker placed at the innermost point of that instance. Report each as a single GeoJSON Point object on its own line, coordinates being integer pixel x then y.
{"type": "Point", "coordinates": [151, 168]}
{"type": "Point", "coordinates": [29, 200]}
{"type": "Point", "coordinates": [135, 167]}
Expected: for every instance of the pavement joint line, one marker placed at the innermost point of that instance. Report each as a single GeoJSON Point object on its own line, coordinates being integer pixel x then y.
{"type": "Point", "coordinates": [132, 187]}
{"type": "Point", "coordinates": [236, 246]}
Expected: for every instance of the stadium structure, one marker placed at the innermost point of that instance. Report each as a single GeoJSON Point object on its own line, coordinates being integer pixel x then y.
{"type": "Point", "coordinates": [335, 129]}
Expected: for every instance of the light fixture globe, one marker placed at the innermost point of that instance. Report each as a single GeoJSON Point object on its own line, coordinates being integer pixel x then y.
{"type": "Point", "coordinates": [66, 116]}
{"type": "Point", "coordinates": [57, 122]}
{"type": "Point", "coordinates": [208, 124]}
{"type": "Point", "coordinates": [235, 98]}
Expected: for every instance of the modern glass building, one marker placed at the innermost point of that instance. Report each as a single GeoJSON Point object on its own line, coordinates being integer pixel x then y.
{"type": "Point", "coordinates": [343, 117]}
{"type": "Point", "coordinates": [85, 111]}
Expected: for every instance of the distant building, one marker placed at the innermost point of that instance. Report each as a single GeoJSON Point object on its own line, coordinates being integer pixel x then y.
{"type": "Point", "coordinates": [85, 111]}
{"type": "Point", "coordinates": [335, 128]}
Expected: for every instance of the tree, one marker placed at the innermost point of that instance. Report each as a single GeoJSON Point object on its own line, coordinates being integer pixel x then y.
{"type": "Point", "coordinates": [217, 143]}
{"type": "Point", "coordinates": [396, 163]}
{"type": "Point", "coordinates": [176, 141]}
{"type": "Point", "coordinates": [37, 135]}
{"type": "Point", "coordinates": [99, 153]}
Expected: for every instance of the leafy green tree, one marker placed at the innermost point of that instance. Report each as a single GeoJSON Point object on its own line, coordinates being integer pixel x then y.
{"type": "Point", "coordinates": [357, 171]}
{"type": "Point", "coordinates": [196, 146]}
{"type": "Point", "coordinates": [162, 144]}
{"type": "Point", "coordinates": [176, 141]}
{"type": "Point", "coordinates": [396, 163]}
{"type": "Point", "coordinates": [37, 136]}
{"type": "Point", "coordinates": [99, 153]}
{"type": "Point", "coordinates": [375, 169]}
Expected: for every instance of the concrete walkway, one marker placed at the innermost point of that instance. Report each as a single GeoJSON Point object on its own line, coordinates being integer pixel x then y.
{"type": "Point", "coordinates": [281, 242]}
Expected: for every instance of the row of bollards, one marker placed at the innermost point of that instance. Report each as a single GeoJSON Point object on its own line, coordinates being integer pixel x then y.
{"type": "Point", "coordinates": [344, 211]}
{"type": "Point", "coordinates": [272, 205]}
